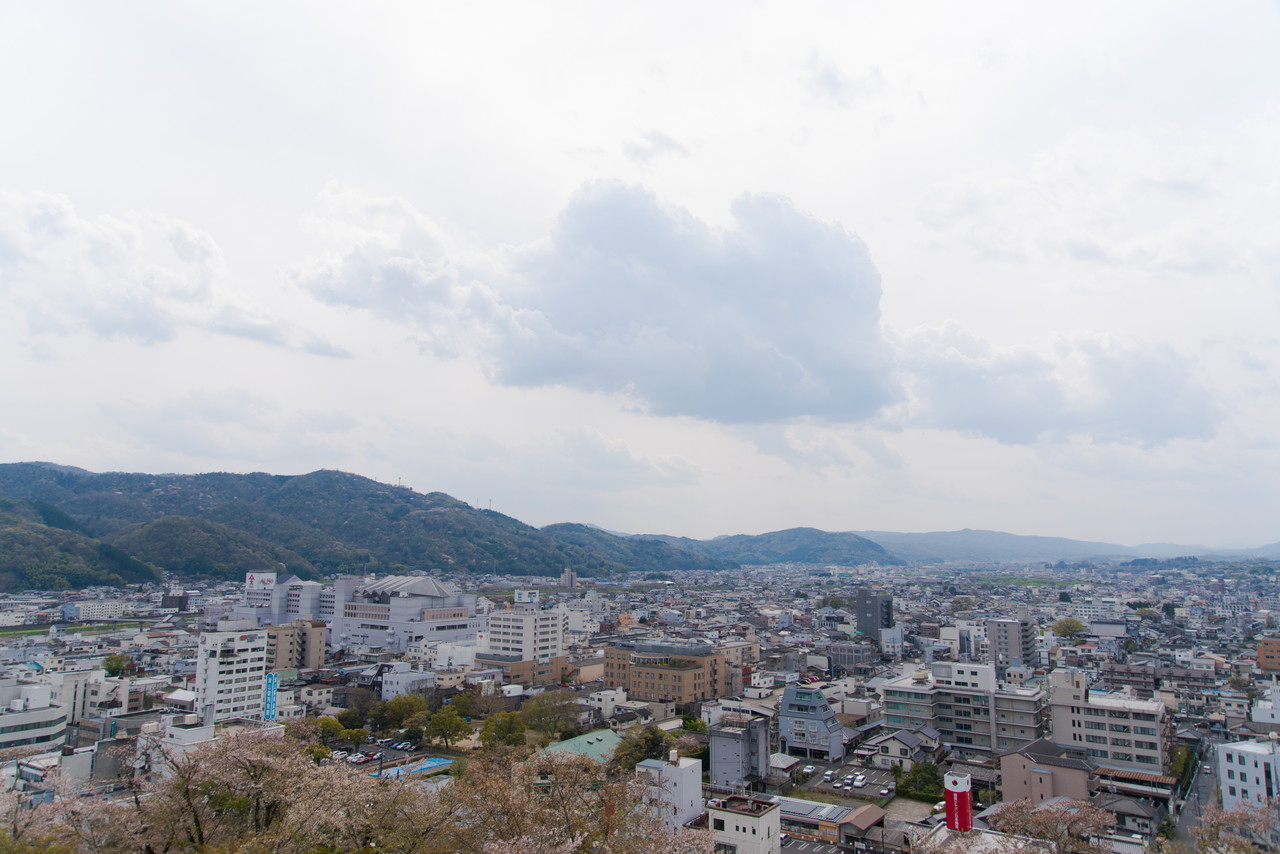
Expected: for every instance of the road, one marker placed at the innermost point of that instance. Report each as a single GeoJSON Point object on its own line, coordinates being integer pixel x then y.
{"type": "Point", "coordinates": [1201, 795]}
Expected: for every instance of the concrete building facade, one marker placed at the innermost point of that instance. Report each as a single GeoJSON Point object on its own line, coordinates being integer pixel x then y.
{"type": "Point", "coordinates": [977, 715]}
{"type": "Point", "coordinates": [1115, 729]}
{"type": "Point", "coordinates": [231, 669]}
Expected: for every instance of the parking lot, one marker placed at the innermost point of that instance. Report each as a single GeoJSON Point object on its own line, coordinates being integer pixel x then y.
{"type": "Point", "coordinates": [876, 781]}
{"type": "Point", "coordinates": [799, 846]}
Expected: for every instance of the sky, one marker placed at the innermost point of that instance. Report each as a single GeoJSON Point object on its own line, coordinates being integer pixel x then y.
{"type": "Point", "coordinates": [681, 268]}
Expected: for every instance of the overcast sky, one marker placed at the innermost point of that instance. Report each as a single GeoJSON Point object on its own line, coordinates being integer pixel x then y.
{"type": "Point", "coordinates": [686, 268]}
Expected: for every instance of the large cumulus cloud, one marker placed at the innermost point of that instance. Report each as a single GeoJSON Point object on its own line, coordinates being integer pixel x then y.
{"type": "Point", "coordinates": [772, 318]}
{"type": "Point", "coordinates": [776, 316]}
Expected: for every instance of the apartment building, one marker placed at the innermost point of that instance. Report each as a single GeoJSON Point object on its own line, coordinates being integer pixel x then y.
{"type": "Point", "coordinates": [977, 715]}
{"type": "Point", "coordinates": [807, 724]}
{"type": "Point", "coordinates": [529, 632]}
{"type": "Point", "coordinates": [670, 671]}
{"type": "Point", "coordinates": [1115, 729]}
{"type": "Point", "coordinates": [1012, 643]}
{"type": "Point", "coordinates": [299, 645]}
{"type": "Point", "coordinates": [231, 670]}
{"type": "Point", "coordinates": [740, 746]}
{"type": "Point", "coordinates": [874, 610]}
{"type": "Point", "coordinates": [1269, 655]}
{"type": "Point", "coordinates": [1249, 777]}
{"type": "Point", "coordinates": [745, 825]}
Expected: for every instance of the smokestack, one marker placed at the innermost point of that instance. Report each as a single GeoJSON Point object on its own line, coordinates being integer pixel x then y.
{"type": "Point", "coordinates": [959, 800]}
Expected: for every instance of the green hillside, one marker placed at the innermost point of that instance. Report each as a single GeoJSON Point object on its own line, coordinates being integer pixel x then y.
{"type": "Point", "coordinates": [188, 546]}
{"type": "Point", "coordinates": [794, 545]}
{"type": "Point", "coordinates": [222, 525]}
{"type": "Point", "coordinates": [35, 555]}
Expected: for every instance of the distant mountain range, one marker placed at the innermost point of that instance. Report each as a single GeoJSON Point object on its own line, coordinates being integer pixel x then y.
{"type": "Point", "coordinates": [995, 546]}
{"type": "Point", "coordinates": [64, 528]}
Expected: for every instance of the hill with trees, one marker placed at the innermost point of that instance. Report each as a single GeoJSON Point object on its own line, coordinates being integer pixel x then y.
{"type": "Point", "coordinates": [223, 525]}
{"type": "Point", "coordinates": [794, 545]}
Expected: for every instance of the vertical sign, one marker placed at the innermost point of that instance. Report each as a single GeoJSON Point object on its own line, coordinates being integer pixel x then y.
{"type": "Point", "coordinates": [271, 686]}
{"type": "Point", "coordinates": [959, 795]}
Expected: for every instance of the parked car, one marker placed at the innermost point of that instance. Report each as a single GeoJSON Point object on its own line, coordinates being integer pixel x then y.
{"type": "Point", "coordinates": [355, 758]}
{"type": "Point", "coordinates": [837, 785]}
{"type": "Point", "coordinates": [828, 776]}
{"type": "Point", "coordinates": [808, 769]}
{"type": "Point", "coordinates": [887, 790]}
{"type": "Point", "coordinates": [860, 781]}
{"type": "Point", "coordinates": [339, 754]}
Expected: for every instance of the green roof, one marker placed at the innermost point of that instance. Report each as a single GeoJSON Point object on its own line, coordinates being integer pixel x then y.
{"type": "Point", "coordinates": [598, 744]}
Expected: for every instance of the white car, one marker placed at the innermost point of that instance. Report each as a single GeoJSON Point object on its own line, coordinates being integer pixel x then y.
{"type": "Point", "coordinates": [860, 781]}
{"type": "Point", "coordinates": [809, 769]}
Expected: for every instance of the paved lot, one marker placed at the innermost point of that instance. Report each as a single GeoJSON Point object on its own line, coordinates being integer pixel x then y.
{"type": "Point", "coordinates": [876, 780]}
{"type": "Point", "coordinates": [799, 846]}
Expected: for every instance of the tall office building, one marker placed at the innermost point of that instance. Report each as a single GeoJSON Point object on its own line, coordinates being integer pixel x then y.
{"type": "Point", "coordinates": [977, 715]}
{"type": "Point", "coordinates": [528, 631]}
{"type": "Point", "coordinates": [231, 670]}
{"type": "Point", "coordinates": [874, 612]}
{"type": "Point", "coordinates": [1012, 643]}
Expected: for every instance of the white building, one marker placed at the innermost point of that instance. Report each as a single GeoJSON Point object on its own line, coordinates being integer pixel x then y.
{"type": "Point", "coordinates": [1266, 709]}
{"type": "Point", "coordinates": [28, 715]}
{"type": "Point", "coordinates": [394, 611]}
{"type": "Point", "coordinates": [677, 783]}
{"type": "Point", "coordinates": [1249, 776]}
{"type": "Point", "coordinates": [745, 825]}
{"type": "Point", "coordinates": [100, 609]}
{"type": "Point", "coordinates": [231, 670]}
{"type": "Point", "coordinates": [528, 632]}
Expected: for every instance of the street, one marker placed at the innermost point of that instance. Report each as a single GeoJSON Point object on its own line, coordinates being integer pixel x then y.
{"type": "Point", "coordinates": [1201, 794]}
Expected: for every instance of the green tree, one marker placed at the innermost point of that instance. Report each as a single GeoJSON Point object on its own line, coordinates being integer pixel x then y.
{"type": "Point", "coordinates": [399, 709]}
{"type": "Point", "coordinates": [693, 723]}
{"type": "Point", "coordinates": [1068, 627]}
{"type": "Point", "coordinates": [328, 728]}
{"type": "Point", "coordinates": [550, 712]}
{"type": "Point", "coordinates": [354, 737]}
{"type": "Point", "coordinates": [923, 781]}
{"type": "Point", "coordinates": [116, 664]}
{"type": "Point", "coordinates": [350, 719]}
{"type": "Point", "coordinates": [1170, 610]}
{"type": "Point", "coordinates": [503, 728]}
{"type": "Point", "coordinates": [317, 752]}
{"type": "Point", "coordinates": [448, 726]}
{"type": "Point", "coordinates": [639, 744]}
{"type": "Point", "coordinates": [464, 703]}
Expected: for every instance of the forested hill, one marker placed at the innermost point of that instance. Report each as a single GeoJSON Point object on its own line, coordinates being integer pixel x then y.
{"type": "Point", "coordinates": [221, 525]}
{"type": "Point", "coordinates": [794, 545]}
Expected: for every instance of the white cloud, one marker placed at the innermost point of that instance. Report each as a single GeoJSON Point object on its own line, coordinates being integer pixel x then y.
{"type": "Point", "coordinates": [142, 277]}
{"type": "Point", "coordinates": [1101, 390]}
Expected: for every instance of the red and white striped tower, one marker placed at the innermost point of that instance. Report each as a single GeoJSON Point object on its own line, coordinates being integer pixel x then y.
{"type": "Point", "coordinates": [959, 795]}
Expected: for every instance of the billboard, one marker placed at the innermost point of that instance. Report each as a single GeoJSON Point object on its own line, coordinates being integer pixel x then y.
{"type": "Point", "coordinates": [959, 800]}
{"type": "Point", "coordinates": [255, 581]}
{"type": "Point", "coordinates": [270, 697]}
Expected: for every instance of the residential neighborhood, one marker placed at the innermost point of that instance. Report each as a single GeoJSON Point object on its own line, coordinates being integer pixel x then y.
{"type": "Point", "coordinates": [772, 707]}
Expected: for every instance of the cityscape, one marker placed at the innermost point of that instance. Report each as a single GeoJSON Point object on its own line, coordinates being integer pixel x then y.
{"type": "Point", "coordinates": [1103, 706]}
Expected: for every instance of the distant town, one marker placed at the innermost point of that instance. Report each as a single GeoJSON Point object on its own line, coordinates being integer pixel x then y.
{"type": "Point", "coordinates": [1123, 707]}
